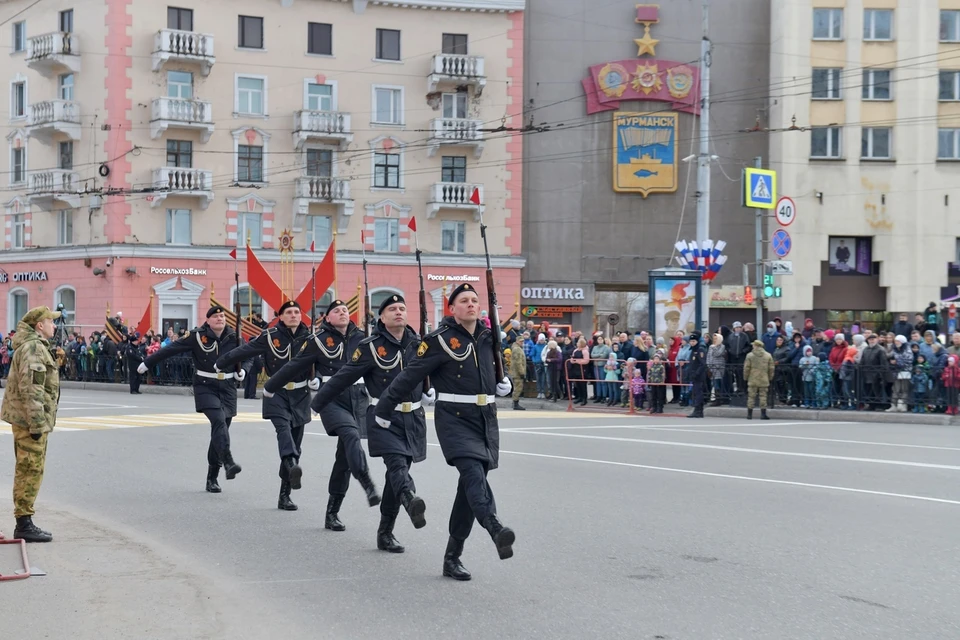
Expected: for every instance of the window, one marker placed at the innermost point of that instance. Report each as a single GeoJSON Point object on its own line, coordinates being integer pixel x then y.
{"type": "Point", "coordinates": [321, 307]}
{"type": "Point", "coordinates": [249, 223]}
{"type": "Point", "coordinates": [377, 298]}
{"type": "Point", "coordinates": [385, 235]}
{"type": "Point", "coordinates": [249, 163]}
{"type": "Point", "coordinates": [66, 21]}
{"type": "Point", "coordinates": [875, 143]}
{"type": "Point", "coordinates": [455, 105]}
{"type": "Point", "coordinates": [250, 302]}
{"type": "Point", "coordinates": [19, 36]}
{"type": "Point", "coordinates": [454, 169]}
{"type": "Point", "coordinates": [178, 226]}
{"type": "Point", "coordinates": [455, 43]}
{"type": "Point", "coordinates": [18, 169]}
{"type": "Point", "coordinates": [876, 84]}
{"type": "Point", "coordinates": [250, 33]}
{"type": "Point", "coordinates": [65, 155]}
{"type": "Point", "coordinates": [826, 84]}
{"type": "Point", "coordinates": [180, 85]}
{"type": "Point", "coordinates": [452, 236]}
{"type": "Point", "coordinates": [179, 19]}
{"type": "Point", "coordinates": [950, 26]}
{"type": "Point", "coordinates": [386, 170]}
{"type": "Point", "coordinates": [388, 44]}
{"type": "Point", "coordinates": [825, 142]}
{"type": "Point", "coordinates": [319, 163]}
{"type": "Point", "coordinates": [65, 86]}
{"type": "Point", "coordinates": [19, 231]}
{"type": "Point", "coordinates": [827, 24]}
{"type": "Point", "coordinates": [950, 85]}
{"type": "Point", "coordinates": [320, 231]}
{"type": "Point", "coordinates": [878, 24]}
{"type": "Point", "coordinates": [320, 38]}
{"type": "Point", "coordinates": [319, 97]}
{"type": "Point", "coordinates": [20, 304]}
{"type": "Point", "coordinates": [250, 96]}
{"type": "Point", "coordinates": [65, 227]}
{"type": "Point", "coordinates": [68, 298]}
{"type": "Point", "coordinates": [180, 154]}
{"type": "Point", "coordinates": [18, 98]}
{"type": "Point", "coordinates": [387, 105]}
{"type": "Point", "coordinates": [948, 144]}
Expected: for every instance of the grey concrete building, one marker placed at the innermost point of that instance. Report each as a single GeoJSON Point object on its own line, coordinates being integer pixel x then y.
{"type": "Point", "coordinates": [578, 232]}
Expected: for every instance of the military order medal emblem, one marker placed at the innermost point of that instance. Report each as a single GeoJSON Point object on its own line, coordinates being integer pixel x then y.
{"type": "Point", "coordinates": [647, 79]}
{"type": "Point", "coordinates": [422, 350]}
{"type": "Point", "coordinates": [680, 81]}
{"type": "Point", "coordinates": [381, 351]}
{"type": "Point", "coordinates": [276, 343]}
{"type": "Point", "coordinates": [329, 342]}
{"type": "Point", "coordinates": [203, 339]}
{"type": "Point", "coordinates": [356, 355]}
{"type": "Point", "coordinates": [454, 343]}
{"type": "Point", "coordinates": [613, 80]}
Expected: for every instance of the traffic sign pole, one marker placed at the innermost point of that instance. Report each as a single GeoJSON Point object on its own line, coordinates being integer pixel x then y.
{"type": "Point", "coordinates": [758, 163]}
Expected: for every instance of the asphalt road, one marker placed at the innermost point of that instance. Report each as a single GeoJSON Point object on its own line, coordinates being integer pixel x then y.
{"type": "Point", "coordinates": [637, 528]}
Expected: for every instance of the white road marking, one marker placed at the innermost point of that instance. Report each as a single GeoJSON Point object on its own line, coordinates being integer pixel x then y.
{"type": "Point", "coordinates": [732, 477]}
{"type": "Point", "coordinates": [685, 427]}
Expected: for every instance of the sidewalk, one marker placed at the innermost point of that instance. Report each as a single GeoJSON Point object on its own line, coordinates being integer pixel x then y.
{"type": "Point", "coordinates": [834, 415]}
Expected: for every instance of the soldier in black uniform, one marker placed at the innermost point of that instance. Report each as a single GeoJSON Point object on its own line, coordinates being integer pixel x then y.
{"type": "Point", "coordinates": [136, 352]}
{"type": "Point", "coordinates": [328, 349]}
{"type": "Point", "coordinates": [378, 360]}
{"type": "Point", "coordinates": [459, 359]}
{"type": "Point", "coordinates": [214, 392]}
{"type": "Point", "coordinates": [289, 408]}
{"type": "Point", "coordinates": [696, 375]}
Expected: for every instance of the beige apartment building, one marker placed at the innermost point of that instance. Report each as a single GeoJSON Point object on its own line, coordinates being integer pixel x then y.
{"type": "Point", "coordinates": [873, 89]}
{"type": "Point", "coordinates": [146, 139]}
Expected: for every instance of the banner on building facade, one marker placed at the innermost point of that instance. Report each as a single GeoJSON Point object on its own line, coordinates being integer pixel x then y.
{"type": "Point", "coordinates": [645, 152]}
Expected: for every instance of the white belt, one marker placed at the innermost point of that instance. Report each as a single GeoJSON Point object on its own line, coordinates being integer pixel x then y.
{"type": "Point", "coordinates": [404, 407]}
{"type": "Point", "coordinates": [218, 376]}
{"type": "Point", "coordinates": [479, 399]}
{"type": "Point", "coordinates": [290, 386]}
{"type": "Point", "coordinates": [327, 379]}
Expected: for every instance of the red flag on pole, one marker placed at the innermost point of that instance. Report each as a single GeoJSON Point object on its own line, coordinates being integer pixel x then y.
{"type": "Point", "coordinates": [233, 254]}
{"type": "Point", "coordinates": [313, 246]}
{"type": "Point", "coordinates": [326, 274]}
{"type": "Point", "coordinates": [475, 196]}
{"type": "Point", "coordinates": [263, 283]}
{"type": "Point", "coordinates": [363, 238]}
{"type": "Point", "coordinates": [145, 321]}
{"type": "Point", "coordinates": [413, 224]}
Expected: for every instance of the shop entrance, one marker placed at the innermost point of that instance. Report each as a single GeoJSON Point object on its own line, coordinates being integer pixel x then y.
{"type": "Point", "coordinates": [176, 316]}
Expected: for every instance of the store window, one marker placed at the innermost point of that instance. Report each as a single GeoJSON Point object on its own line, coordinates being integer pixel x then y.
{"type": "Point", "coordinates": [67, 296]}
{"type": "Point", "coordinates": [854, 322]}
{"type": "Point", "coordinates": [19, 305]}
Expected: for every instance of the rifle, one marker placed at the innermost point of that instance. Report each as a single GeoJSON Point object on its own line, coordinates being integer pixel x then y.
{"type": "Point", "coordinates": [423, 307]}
{"type": "Point", "coordinates": [236, 308]}
{"type": "Point", "coordinates": [313, 308]}
{"type": "Point", "coordinates": [492, 302]}
{"type": "Point", "coordinates": [366, 287]}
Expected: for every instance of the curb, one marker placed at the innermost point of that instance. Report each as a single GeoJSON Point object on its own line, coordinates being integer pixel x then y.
{"type": "Point", "coordinates": [817, 415]}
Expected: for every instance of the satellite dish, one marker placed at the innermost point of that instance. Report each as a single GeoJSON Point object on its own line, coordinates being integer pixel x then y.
{"type": "Point", "coordinates": [613, 319]}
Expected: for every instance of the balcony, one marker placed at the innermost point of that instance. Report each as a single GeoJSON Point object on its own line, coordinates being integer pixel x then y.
{"type": "Point", "coordinates": [456, 132]}
{"type": "Point", "coordinates": [321, 126]}
{"type": "Point", "coordinates": [453, 195]}
{"type": "Point", "coordinates": [183, 46]}
{"type": "Point", "coordinates": [174, 113]}
{"type": "Point", "coordinates": [54, 53]}
{"type": "Point", "coordinates": [316, 190]}
{"type": "Point", "coordinates": [451, 69]}
{"type": "Point", "coordinates": [47, 118]}
{"type": "Point", "coordinates": [62, 185]}
{"type": "Point", "coordinates": [179, 181]}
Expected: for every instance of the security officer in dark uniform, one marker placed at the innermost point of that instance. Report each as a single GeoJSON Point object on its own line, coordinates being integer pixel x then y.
{"type": "Point", "coordinates": [215, 393]}
{"type": "Point", "coordinates": [328, 350]}
{"type": "Point", "coordinates": [459, 359]}
{"type": "Point", "coordinates": [695, 374]}
{"type": "Point", "coordinates": [136, 352]}
{"type": "Point", "coordinates": [378, 360]}
{"type": "Point", "coordinates": [289, 408]}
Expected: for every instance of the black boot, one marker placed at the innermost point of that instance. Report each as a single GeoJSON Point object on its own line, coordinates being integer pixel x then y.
{"type": "Point", "coordinates": [385, 539]}
{"type": "Point", "coordinates": [212, 472]}
{"type": "Point", "coordinates": [749, 414]}
{"type": "Point", "coordinates": [415, 507]}
{"type": "Point", "coordinates": [230, 467]}
{"type": "Point", "coordinates": [452, 567]}
{"type": "Point", "coordinates": [26, 530]}
{"type": "Point", "coordinates": [284, 502]}
{"type": "Point", "coordinates": [517, 407]}
{"type": "Point", "coordinates": [293, 471]}
{"type": "Point", "coordinates": [331, 521]}
{"type": "Point", "coordinates": [503, 537]}
{"type": "Point", "coordinates": [373, 498]}
{"type": "Point", "coordinates": [697, 412]}
{"type": "Point", "coordinates": [763, 414]}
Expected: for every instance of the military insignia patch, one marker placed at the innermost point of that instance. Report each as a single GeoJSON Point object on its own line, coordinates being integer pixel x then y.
{"type": "Point", "coordinates": [356, 355]}
{"type": "Point", "coordinates": [454, 343]}
{"type": "Point", "coordinates": [329, 342]}
{"type": "Point", "coordinates": [276, 343]}
{"type": "Point", "coordinates": [204, 339]}
{"type": "Point", "coordinates": [422, 350]}
{"type": "Point", "coordinates": [382, 352]}
{"type": "Point", "coordinates": [303, 347]}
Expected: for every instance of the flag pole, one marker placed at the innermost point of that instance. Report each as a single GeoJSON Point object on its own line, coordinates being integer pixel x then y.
{"type": "Point", "coordinates": [366, 287]}
{"type": "Point", "coordinates": [313, 284]}
{"type": "Point", "coordinates": [334, 263]}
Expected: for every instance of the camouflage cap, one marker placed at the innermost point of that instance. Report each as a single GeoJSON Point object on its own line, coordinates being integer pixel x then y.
{"type": "Point", "coordinates": [37, 314]}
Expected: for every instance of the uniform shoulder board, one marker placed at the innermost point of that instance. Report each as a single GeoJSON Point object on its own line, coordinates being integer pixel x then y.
{"type": "Point", "coordinates": [369, 339]}
{"type": "Point", "coordinates": [271, 330]}
{"type": "Point", "coordinates": [435, 333]}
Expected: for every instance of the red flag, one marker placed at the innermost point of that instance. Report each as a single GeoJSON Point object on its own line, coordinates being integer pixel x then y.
{"type": "Point", "coordinates": [263, 283]}
{"type": "Point", "coordinates": [145, 321]}
{"type": "Point", "coordinates": [324, 278]}
{"type": "Point", "coordinates": [233, 254]}
{"type": "Point", "coordinates": [413, 224]}
{"type": "Point", "coordinates": [363, 238]}
{"type": "Point", "coordinates": [313, 246]}
{"type": "Point", "coordinates": [475, 196]}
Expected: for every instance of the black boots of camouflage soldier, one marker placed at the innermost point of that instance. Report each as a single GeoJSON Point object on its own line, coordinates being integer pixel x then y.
{"type": "Point", "coordinates": [415, 507]}
{"type": "Point", "coordinates": [452, 567]}
{"type": "Point", "coordinates": [331, 521]}
{"type": "Point", "coordinates": [26, 530]}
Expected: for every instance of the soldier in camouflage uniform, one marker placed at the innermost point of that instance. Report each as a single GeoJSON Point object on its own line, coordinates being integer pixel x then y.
{"type": "Point", "coordinates": [30, 406]}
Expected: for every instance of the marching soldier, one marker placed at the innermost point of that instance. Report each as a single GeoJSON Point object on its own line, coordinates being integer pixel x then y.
{"type": "Point", "coordinates": [289, 408]}
{"type": "Point", "coordinates": [214, 392]}
{"type": "Point", "coordinates": [336, 338]}
{"type": "Point", "coordinates": [459, 359]}
{"type": "Point", "coordinates": [378, 360]}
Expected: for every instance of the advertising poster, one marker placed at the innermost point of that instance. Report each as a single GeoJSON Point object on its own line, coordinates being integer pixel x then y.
{"type": "Point", "coordinates": [851, 256]}
{"type": "Point", "coordinates": [674, 305]}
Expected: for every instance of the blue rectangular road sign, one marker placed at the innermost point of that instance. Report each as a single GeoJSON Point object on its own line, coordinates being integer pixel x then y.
{"type": "Point", "coordinates": [760, 188]}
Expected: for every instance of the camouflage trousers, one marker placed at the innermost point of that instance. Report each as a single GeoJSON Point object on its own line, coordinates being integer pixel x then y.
{"type": "Point", "coordinates": [764, 393]}
{"type": "Point", "coordinates": [31, 456]}
{"type": "Point", "coordinates": [517, 387]}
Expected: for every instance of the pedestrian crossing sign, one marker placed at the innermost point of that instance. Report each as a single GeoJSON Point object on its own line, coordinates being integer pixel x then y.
{"type": "Point", "coordinates": [760, 188]}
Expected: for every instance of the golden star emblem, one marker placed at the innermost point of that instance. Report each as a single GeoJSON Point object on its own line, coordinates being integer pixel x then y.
{"type": "Point", "coordinates": [647, 79]}
{"type": "Point", "coordinates": [647, 45]}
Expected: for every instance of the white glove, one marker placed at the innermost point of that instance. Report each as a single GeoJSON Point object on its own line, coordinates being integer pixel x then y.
{"type": "Point", "coordinates": [314, 384]}
{"type": "Point", "coordinates": [504, 387]}
{"type": "Point", "coordinates": [142, 368]}
{"type": "Point", "coordinates": [267, 394]}
{"type": "Point", "coordinates": [430, 396]}
{"type": "Point", "coordinates": [241, 374]}
{"type": "Point", "coordinates": [383, 422]}
{"type": "Point", "coordinates": [216, 369]}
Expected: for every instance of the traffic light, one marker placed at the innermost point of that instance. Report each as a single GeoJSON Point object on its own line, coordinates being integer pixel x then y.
{"type": "Point", "coordinates": [769, 290]}
{"type": "Point", "coordinates": [748, 295]}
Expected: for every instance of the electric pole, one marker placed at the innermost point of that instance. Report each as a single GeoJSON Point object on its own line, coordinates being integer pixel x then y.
{"type": "Point", "coordinates": [703, 161]}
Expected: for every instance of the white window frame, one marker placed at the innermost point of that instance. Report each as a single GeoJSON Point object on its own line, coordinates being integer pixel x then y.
{"type": "Point", "coordinates": [12, 308]}
{"type": "Point", "coordinates": [256, 238]}
{"type": "Point", "coordinates": [832, 23]}
{"type": "Point", "coordinates": [390, 222]}
{"type": "Point", "coordinates": [311, 232]}
{"type": "Point", "coordinates": [69, 316]}
{"type": "Point", "coordinates": [870, 85]}
{"type": "Point", "coordinates": [955, 15]}
{"type": "Point", "coordinates": [829, 132]}
{"type": "Point", "coordinates": [833, 84]}
{"type": "Point", "coordinates": [373, 103]}
{"type": "Point", "coordinates": [22, 28]}
{"type": "Point", "coordinates": [456, 97]}
{"type": "Point", "coordinates": [375, 148]}
{"type": "Point", "coordinates": [457, 225]}
{"type": "Point", "coordinates": [18, 231]}
{"type": "Point", "coordinates": [23, 172]}
{"type": "Point", "coordinates": [18, 80]}
{"type": "Point", "coordinates": [955, 77]}
{"type": "Point", "coordinates": [870, 26]}
{"type": "Point", "coordinates": [173, 228]}
{"type": "Point", "coordinates": [868, 131]}
{"type": "Point", "coordinates": [64, 89]}
{"type": "Point", "coordinates": [236, 95]}
{"type": "Point", "coordinates": [265, 141]}
{"type": "Point", "coordinates": [65, 217]}
{"type": "Point", "coordinates": [955, 135]}
{"type": "Point", "coordinates": [180, 85]}
{"type": "Point", "coordinates": [264, 307]}
{"type": "Point", "coordinates": [334, 94]}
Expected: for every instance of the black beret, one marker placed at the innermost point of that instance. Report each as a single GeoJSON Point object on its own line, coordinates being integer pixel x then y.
{"type": "Point", "coordinates": [289, 304]}
{"type": "Point", "coordinates": [336, 303]}
{"type": "Point", "coordinates": [466, 286]}
{"type": "Point", "coordinates": [394, 299]}
{"type": "Point", "coordinates": [694, 336]}
{"type": "Point", "coordinates": [215, 309]}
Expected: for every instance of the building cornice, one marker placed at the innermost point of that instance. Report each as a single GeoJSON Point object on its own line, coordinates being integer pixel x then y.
{"type": "Point", "coordinates": [475, 6]}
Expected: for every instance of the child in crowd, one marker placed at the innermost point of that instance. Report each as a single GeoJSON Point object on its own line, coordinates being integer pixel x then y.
{"type": "Point", "coordinates": [637, 389]}
{"type": "Point", "coordinates": [920, 382]}
{"type": "Point", "coordinates": [628, 368]}
{"type": "Point", "coordinates": [824, 380]}
{"type": "Point", "coordinates": [847, 374]}
{"type": "Point", "coordinates": [657, 376]}
{"type": "Point", "coordinates": [808, 369]}
{"type": "Point", "coordinates": [611, 377]}
{"type": "Point", "coordinates": [951, 384]}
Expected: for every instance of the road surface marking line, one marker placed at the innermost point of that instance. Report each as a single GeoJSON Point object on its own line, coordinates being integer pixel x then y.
{"type": "Point", "coordinates": [685, 427]}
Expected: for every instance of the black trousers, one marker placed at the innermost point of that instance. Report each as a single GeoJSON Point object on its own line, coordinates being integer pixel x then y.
{"type": "Point", "coordinates": [396, 480]}
{"type": "Point", "coordinates": [350, 460]}
{"type": "Point", "coordinates": [474, 498]}
{"type": "Point", "coordinates": [219, 436]}
{"type": "Point", "coordinates": [135, 379]}
{"type": "Point", "coordinates": [250, 384]}
{"type": "Point", "coordinates": [289, 439]}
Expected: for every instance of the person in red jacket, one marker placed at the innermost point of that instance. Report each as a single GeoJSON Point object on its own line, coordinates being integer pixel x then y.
{"type": "Point", "coordinates": [673, 373]}
{"type": "Point", "coordinates": [837, 354]}
{"type": "Point", "coordinates": [951, 382]}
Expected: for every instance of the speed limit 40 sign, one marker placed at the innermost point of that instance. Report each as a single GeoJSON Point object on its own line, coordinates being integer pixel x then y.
{"type": "Point", "coordinates": [786, 211]}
